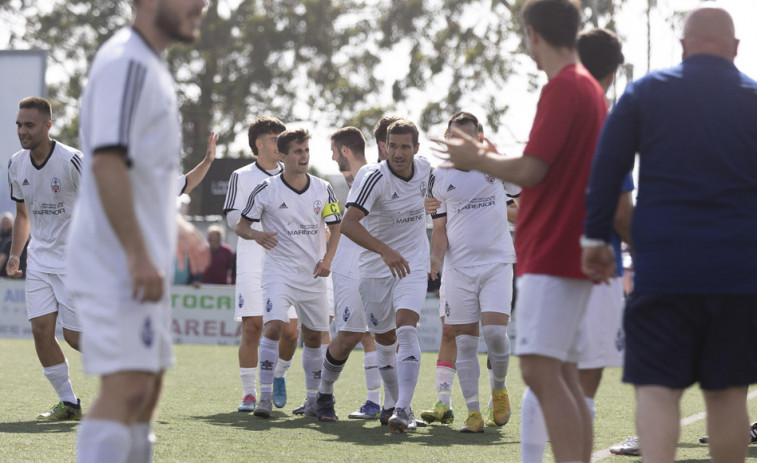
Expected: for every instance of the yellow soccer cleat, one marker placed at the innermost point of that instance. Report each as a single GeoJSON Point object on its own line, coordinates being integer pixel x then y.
{"type": "Point", "coordinates": [63, 411]}
{"type": "Point", "coordinates": [474, 423]}
{"type": "Point", "coordinates": [441, 413]}
{"type": "Point", "coordinates": [501, 409]}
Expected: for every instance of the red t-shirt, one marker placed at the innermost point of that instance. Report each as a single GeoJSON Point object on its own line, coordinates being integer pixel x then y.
{"type": "Point", "coordinates": [219, 269]}
{"type": "Point", "coordinates": [569, 117]}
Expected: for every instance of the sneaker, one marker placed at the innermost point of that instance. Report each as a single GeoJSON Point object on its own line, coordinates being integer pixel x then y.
{"type": "Point", "coordinates": [752, 435]}
{"type": "Point", "coordinates": [311, 407]}
{"type": "Point", "coordinates": [301, 409]}
{"type": "Point", "coordinates": [63, 411]}
{"type": "Point", "coordinates": [264, 408]}
{"type": "Point", "coordinates": [368, 411]}
{"type": "Point", "coordinates": [501, 409]}
{"type": "Point", "coordinates": [325, 408]}
{"type": "Point", "coordinates": [384, 416]}
{"type": "Point", "coordinates": [401, 420]}
{"type": "Point", "coordinates": [628, 448]}
{"type": "Point", "coordinates": [490, 418]}
{"type": "Point", "coordinates": [248, 404]}
{"type": "Point", "coordinates": [280, 392]}
{"type": "Point", "coordinates": [441, 413]}
{"type": "Point", "coordinates": [474, 423]}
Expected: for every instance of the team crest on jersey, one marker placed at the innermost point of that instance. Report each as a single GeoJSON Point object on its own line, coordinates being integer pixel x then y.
{"type": "Point", "coordinates": [317, 206]}
{"type": "Point", "coordinates": [347, 314]}
{"type": "Point", "coordinates": [423, 189]}
{"type": "Point", "coordinates": [489, 178]}
{"type": "Point", "coordinates": [373, 319]}
{"type": "Point", "coordinates": [241, 301]}
{"type": "Point", "coordinates": [55, 185]}
{"type": "Point", "coordinates": [268, 305]}
{"type": "Point", "coordinates": [147, 334]}
{"type": "Point", "coordinates": [446, 309]}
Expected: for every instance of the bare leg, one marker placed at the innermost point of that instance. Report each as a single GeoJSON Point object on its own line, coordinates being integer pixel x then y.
{"type": "Point", "coordinates": [727, 424]}
{"type": "Point", "coordinates": [252, 327]}
{"type": "Point", "coordinates": [48, 349]}
{"type": "Point", "coordinates": [658, 422]}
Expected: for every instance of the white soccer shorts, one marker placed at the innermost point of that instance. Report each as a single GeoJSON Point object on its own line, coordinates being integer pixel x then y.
{"type": "Point", "coordinates": [605, 339]}
{"type": "Point", "coordinates": [310, 303]}
{"type": "Point", "coordinates": [248, 297]}
{"type": "Point", "coordinates": [121, 334]}
{"type": "Point", "coordinates": [550, 312]}
{"type": "Point", "coordinates": [382, 297]}
{"type": "Point", "coordinates": [46, 293]}
{"type": "Point", "coordinates": [348, 309]}
{"type": "Point", "coordinates": [469, 291]}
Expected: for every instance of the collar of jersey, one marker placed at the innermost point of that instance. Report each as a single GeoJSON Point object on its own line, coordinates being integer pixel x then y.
{"type": "Point", "coordinates": [147, 44]}
{"type": "Point", "coordinates": [398, 175]}
{"type": "Point", "coordinates": [278, 165]}
{"type": "Point", "coordinates": [49, 155]}
{"type": "Point", "coordinates": [292, 188]}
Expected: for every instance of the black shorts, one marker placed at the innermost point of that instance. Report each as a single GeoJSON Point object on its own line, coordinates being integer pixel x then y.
{"type": "Point", "coordinates": [676, 340]}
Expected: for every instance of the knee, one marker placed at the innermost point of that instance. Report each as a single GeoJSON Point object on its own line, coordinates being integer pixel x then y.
{"type": "Point", "coordinates": [536, 373]}
{"type": "Point", "coordinates": [386, 339]}
{"type": "Point", "coordinates": [251, 331]}
{"type": "Point", "coordinates": [448, 334]}
{"type": "Point", "coordinates": [311, 339]}
{"type": "Point", "coordinates": [43, 329]}
{"type": "Point", "coordinates": [72, 338]}
{"type": "Point", "coordinates": [290, 333]}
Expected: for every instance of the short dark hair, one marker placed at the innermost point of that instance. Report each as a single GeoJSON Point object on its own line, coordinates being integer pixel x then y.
{"type": "Point", "coordinates": [401, 127]}
{"type": "Point", "coordinates": [352, 138]}
{"type": "Point", "coordinates": [462, 118]}
{"type": "Point", "coordinates": [600, 52]}
{"type": "Point", "coordinates": [263, 125]}
{"type": "Point", "coordinates": [379, 132]}
{"type": "Point", "coordinates": [480, 128]}
{"type": "Point", "coordinates": [286, 138]}
{"type": "Point", "coordinates": [40, 104]}
{"type": "Point", "coordinates": [557, 21]}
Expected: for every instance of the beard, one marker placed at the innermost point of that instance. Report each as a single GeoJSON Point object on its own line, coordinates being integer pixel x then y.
{"type": "Point", "coordinates": [170, 23]}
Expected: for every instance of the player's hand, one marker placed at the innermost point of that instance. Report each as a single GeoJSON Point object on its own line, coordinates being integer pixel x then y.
{"type": "Point", "coordinates": [397, 264]}
{"type": "Point", "coordinates": [192, 246]}
{"type": "Point", "coordinates": [598, 263]}
{"type": "Point", "coordinates": [322, 269]}
{"type": "Point", "coordinates": [436, 265]}
{"type": "Point", "coordinates": [460, 150]}
{"type": "Point", "coordinates": [11, 268]}
{"type": "Point", "coordinates": [146, 279]}
{"type": "Point", "coordinates": [210, 152]}
{"type": "Point", "coordinates": [431, 205]}
{"type": "Point", "coordinates": [266, 239]}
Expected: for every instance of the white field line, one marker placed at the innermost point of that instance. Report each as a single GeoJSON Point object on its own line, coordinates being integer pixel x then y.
{"type": "Point", "coordinates": [600, 455]}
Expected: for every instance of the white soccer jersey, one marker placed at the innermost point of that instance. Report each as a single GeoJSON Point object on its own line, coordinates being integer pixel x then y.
{"type": "Point", "coordinates": [129, 105]}
{"type": "Point", "coordinates": [394, 214]}
{"type": "Point", "coordinates": [181, 184]}
{"type": "Point", "coordinates": [242, 182]}
{"type": "Point", "coordinates": [347, 259]}
{"type": "Point", "coordinates": [298, 217]}
{"type": "Point", "coordinates": [475, 205]}
{"type": "Point", "coordinates": [49, 193]}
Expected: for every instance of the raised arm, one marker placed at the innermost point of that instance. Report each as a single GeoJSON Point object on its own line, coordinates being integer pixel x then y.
{"type": "Point", "coordinates": [195, 176]}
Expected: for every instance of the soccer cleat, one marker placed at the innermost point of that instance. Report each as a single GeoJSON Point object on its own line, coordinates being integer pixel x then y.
{"type": "Point", "coordinates": [384, 416]}
{"type": "Point", "coordinates": [248, 404]}
{"type": "Point", "coordinates": [63, 411]}
{"type": "Point", "coordinates": [501, 409]}
{"type": "Point", "coordinates": [301, 409]}
{"type": "Point", "coordinates": [368, 411]}
{"type": "Point", "coordinates": [325, 408]}
{"type": "Point", "coordinates": [752, 435]}
{"type": "Point", "coordinates": [402, 420]}
{"type": "Point", "coordinates": [474, 423]}
{"type": "Point", "coordinates": [490, 419]}
{"type": "Point", "coordinates": [441, 413]}
{"type": "Point", "coordinates": [280, 392]}
{"type": "Point", "coordinates": [628, 448]}
{"type": "Point", "coordinates": [264, 408]}
{"type": "Point", "coordinates": [311, 407]}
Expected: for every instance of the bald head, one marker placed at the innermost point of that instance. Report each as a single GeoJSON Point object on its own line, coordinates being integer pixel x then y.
{"type": "Point", "coordinates": [709, 30]}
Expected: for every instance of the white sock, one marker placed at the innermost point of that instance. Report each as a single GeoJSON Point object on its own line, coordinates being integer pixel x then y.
{"type": "Point", "coordinates": [372, 377]}
{"type": "Point", "coordinates": [58, 377]}
{"type": "Point", "coordinates": [590, 403]}
{"type": "Point", "coordinates": [312, 362]}
{"type": "Point", "coordinates": [330, 372]}
{"type": "Point", "coordinates": [491, 387]}
{"type": "Point", "coordinates": [324, 348]}
{"type": "Point", "coordinates": [267, 357]}
{"type": "Point", "coordinates": [469, 369]}
{"type": "Point", "coordinates": [408, 364]}
{"type": "Point", "coordinates": [281, 368]}
{"type": "Point", "coordinates": [533, 429]}
{"type": "Point", "coordinates": [386, 358]}
{"type": "Point", "coordinates": [103, 440]}
{"type": "Point", "coordinates": [445, 378]}
{"type": "Point", "coordinates": [249, 377]}
{"type": "Point", "coordinates": [498, 347]}
{"type": "Point", "coordinates": [142, 443]}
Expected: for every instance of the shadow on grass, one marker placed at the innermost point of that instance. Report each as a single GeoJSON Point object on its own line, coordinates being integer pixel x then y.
{"type": "Point", "coordinates": [38, 427]}
{"type": "Point", "coordinates": [364, 432]}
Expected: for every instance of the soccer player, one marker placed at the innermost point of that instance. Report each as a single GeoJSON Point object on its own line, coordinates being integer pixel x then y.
{"type": "Point", "coordinates": [554, 170]}
{"type": "Point", "coordinates": [394, 263]}
{"type": "Point", "coordinates": [292, 207]}
{"type": "Point", "coordinates": [478, 273]}
{"type": "Point", "coordinates": [124, 233]}
{"type": "Point", "coordinates": [691, 316]}
{"type": "Point", "coordinates": [348, 150]}
{"type": "Point", "coordinates": [261, 135]}
{"type": "Point", "coordinates": [600, 52]}
{"type": "Point", "coordinates": [44, 176]}
{"type": "Point", "coordinates": [379, 133]}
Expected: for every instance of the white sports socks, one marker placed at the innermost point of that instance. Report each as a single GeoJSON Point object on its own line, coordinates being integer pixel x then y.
{"type": "Point", "coordinates": [249, 380]}
{"type": "Point", "coordinates": [469, 369]}
{"type": "Point", "coordinates": [281, 368]}
{"type": "Point", "coordinates": [386, 357]}
{"type": "Point", "coordinates": [533, 429]}
{"type": "Point", "coordinates": [103, 440]}
{"type": "Point", "coordinates": [58, 377]}
{"type": "Point", "coordinates": [372, 376]}
{"type": "Point", "coordinates": [142, 443]}
{"type": "Point", "coordinates": [445, 378]}
{"type": "Point", "coordinates": [330, 372]}
{"type": "Point", "coordinates": [498, 347]}
{"type": "Point", "coordinates": [269, 354]}
{"type": "Point", "coordinates": [312, 362]}
{"type": "Point", "coordinates": [408, 364]}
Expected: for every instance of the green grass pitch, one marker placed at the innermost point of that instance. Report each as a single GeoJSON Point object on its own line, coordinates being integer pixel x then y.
{"type": "Point", "coordinates": [198, 422]}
